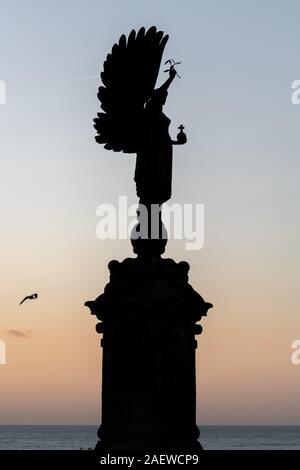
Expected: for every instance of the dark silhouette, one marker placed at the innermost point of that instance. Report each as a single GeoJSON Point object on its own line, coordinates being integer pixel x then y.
{"type": "Point", "coordinates": [29, 297]}
{"type": "Point", "coordinates": [148, 312]}
{"type": "Point", "coordinates": [133, 120]}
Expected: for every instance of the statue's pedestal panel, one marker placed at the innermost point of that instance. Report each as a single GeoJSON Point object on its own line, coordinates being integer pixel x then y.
{"type": "Point", "coordinates": [148, 314]}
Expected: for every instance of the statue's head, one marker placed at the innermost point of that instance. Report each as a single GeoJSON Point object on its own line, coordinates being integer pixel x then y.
{"type": "Point", "coordinates": [158, 98]}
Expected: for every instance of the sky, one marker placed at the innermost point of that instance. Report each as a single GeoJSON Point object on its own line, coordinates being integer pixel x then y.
{"type": "Point", "coordinates": [241, 161]}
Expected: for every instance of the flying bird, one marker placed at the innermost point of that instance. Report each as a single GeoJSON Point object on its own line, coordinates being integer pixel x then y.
{"type": "Point", "coordinates": [29, 297]}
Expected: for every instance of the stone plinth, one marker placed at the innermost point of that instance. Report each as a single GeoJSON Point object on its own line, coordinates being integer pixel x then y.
{"type": "Point", "coordinates": [148, 317]}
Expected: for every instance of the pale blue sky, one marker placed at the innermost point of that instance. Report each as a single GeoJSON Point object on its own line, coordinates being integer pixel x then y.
{"type": "Point", "coordinates": [239, 59]}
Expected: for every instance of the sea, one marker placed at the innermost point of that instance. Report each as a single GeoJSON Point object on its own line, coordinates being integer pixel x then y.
{"type": "Point", "coordinates": [211, 437]}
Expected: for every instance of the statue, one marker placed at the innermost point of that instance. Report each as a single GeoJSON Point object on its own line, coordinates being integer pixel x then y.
{"type": "Point", "coordinates": [148, 313]}
{"type": "Point", "coordinates": [133, 120]}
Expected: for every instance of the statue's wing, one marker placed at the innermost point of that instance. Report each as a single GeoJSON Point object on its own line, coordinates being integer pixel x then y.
{"type": "Point", "coordinates": [129, 77]}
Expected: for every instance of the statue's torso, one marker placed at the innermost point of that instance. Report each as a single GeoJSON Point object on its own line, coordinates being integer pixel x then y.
{"type": "Point", "coordinates": [153, 173]}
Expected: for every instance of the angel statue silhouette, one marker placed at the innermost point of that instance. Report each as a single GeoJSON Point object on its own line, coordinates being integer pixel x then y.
{"type": "Point", "coordinates": [132, 120]}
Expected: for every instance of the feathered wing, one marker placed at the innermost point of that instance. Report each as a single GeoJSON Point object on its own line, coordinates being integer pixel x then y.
{"type": "Point", "coordinates": [129, 77]}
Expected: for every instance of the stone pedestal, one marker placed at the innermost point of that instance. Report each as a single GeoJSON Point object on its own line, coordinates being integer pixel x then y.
{"type": "Point", "coordinates": [148, 314]}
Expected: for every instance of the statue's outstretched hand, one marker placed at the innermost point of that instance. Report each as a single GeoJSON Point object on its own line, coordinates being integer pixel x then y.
{"type": "Point", "coordinates": [172, 73]}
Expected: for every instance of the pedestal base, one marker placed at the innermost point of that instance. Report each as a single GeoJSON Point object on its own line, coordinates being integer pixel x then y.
{"type": "Point", "coordinates": [148, 315]}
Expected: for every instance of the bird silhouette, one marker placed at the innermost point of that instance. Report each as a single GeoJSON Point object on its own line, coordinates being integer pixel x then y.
{"type": "Point", "coordinates": [29, 297]}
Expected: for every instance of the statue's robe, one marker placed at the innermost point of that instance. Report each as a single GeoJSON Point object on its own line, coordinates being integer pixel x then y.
{"type": "Point", "coordinates": [153, 171]}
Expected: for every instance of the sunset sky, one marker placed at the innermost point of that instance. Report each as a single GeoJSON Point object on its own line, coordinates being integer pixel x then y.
{"type": "Point", "coordinates": [241, 161]}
